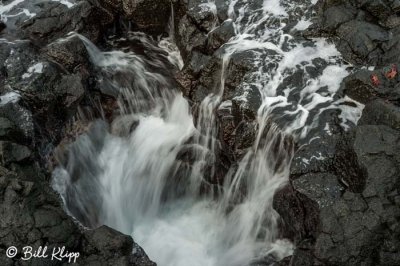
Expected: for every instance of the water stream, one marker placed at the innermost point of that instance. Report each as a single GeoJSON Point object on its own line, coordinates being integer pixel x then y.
{"type": "Point", "coordinates": [144, 173]}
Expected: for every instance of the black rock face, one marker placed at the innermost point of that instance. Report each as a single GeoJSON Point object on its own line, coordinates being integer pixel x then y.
{"type": "Point", "coordinates": [32, 216]}
{"type": "Point", "coordinates": [341, 206]}
{"type": "Point", "coordinates": [55, 20]}
{"type": "Point", "coordinates": [2, 26]}
{"type": "Point", "coordinates": [366, 32]}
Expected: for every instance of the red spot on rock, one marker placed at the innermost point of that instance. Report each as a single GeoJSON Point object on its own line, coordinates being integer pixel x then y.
{"type": "Point", "coordinates": [391, 72]}
{"type": "Point", "coordinates": [375, 80]}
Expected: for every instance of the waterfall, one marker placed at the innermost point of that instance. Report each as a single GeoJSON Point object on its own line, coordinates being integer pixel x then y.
{"type": "Point", "coordinates": [144, 173]}
{"type": "Point", "coordinates": [133, 182]}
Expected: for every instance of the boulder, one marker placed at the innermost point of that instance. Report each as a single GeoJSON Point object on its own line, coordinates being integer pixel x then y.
{"type": "Point", "coordinates": [189, 36]}
{"type": "Point", "coordinates": [16, 123]}
{"type": "Point", "coordinates": [32, 216]}
{"type": "Point", "coordinates": [138, 11]}
{"type": "Point", "coordinates": [360, 87]}
{"type": "Point", "coordinates": [392, 48]}
{"type": "Point", "coordinates": [367, 31]}
{"type": "Point", "coordinates": [360, 40]}
{"type": "Point", "coordinates": [203, 14]}
{"type": "Point", "coordinates": [379, 112]}
{"type": "Point", "coordinates": [298, 214]}
{"type": "Point", "coordinates": [107, 245]}
{"type": "Point", "coordinates": [334, 16]}
{"type": "Point", "coordinates": [17, 58]}
{"type": "Point", "coordinates": [351, 217]}
{"type": "Point", "coordinates": [236, 133]}
{"type": "Point", "coordinates": [13, 153]}
{"type": "Point", "coordinates": [380, 9]}
{"type": "Point", "coordinates": [220, 35]}
{"type": "Point", "coordinates": [45, 87]}
{"type": "Point", "coordinates": [56, 20]}
{"type": "Point", "coordinates": [69, 52]}
{"type": "Point", "coordinates": [222, 9]}
{"type": "Point", "coordinates": [317, 156]}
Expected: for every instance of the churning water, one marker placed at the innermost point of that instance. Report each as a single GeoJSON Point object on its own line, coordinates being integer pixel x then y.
{"type": "Point", "coordinates": [144, 174]}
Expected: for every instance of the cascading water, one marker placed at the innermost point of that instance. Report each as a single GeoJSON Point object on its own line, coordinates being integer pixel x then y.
{"type": "Point", "coordinates": [144, 174]}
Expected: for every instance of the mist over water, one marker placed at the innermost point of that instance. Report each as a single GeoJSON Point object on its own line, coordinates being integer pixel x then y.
{"type": "Point", "coordinates": [144, 174]}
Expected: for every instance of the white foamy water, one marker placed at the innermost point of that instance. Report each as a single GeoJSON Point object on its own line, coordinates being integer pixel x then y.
{"type": "Point", "coordinates": [4, 9]}
{"type": "Point", "coordinates": [263, 31]}
{"type": "Point", "coordinates": [36, 68]}
{"type": "Point", "coordinates": [68, 3]}
{"type": "Point", "coordinates": [148, 173]}
{"type": "Point", "coordinates": [10, 97]}
{"type": "Point", "coordinates": [137, 183]}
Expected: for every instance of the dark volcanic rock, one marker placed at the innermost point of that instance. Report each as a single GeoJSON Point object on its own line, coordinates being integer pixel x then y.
{"type": "Point", "coordinates": [246, 102]}
{"type": "Point", "coordinates": [2, 26]}
{"type": "Point", "coordinates": [55, 20]}
{"type": "Point", "coordinates": [196, 19]}
{"type": "Point", "coordinates": [201, 13]}
{"type": "Point", "coordinates": [379, 112]}
{"type": "Point", "coordinates": [351, 217]}
{"type": "Point", "coordinates": [236, 133]}
{"type": "Point", "coordinates": [359, 86]}
{"type": "Point", "coordinates": [148, 16]}
{"type": "Point", "coordinates": [367, 31]}
{"type": "Point", "coordinates": [15, 60]}
{"type": "Point", "coordinates": [139, 10]}
{"type": "Point", "coordinates": [106, 244]}
{"type": "Point", "coordinates": [70, 53]}
{"type": "Point", "coordinates": [317, 156]}
{"type": "Point", "coordinates": [12, 152]}
{"type": "Point", "coordinates": [359, 41]}
{"type": "Point", "coordinates": [49, 85]}
{"type": "Point", "coordinates": [189, 36]}
{"type": "Point", "coordinates": [16, 123]}
{"type": "Point", "coordinates": [220, 35]}
{"type": "Point", "coordinates": [32, 216]}
{"type": "Point", "coordinates": [299, 214]}
{"type": "Point", "coordinates": [335, 16]}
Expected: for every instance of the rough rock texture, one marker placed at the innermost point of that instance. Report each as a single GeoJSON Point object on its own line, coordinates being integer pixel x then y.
{"type": "Point", "coordinates": [55, 20]}
{"type": "Point", "coordinates": [348, 213]}
{"type": "Point", "coordinates": [32, 216]}
{"type": "Point", "coordinates": [45, 78]}
{"type": "Point", "coordinates": [104, 243]}
{"type": "Point", "coordinates": [366, 32]}
{"type": "Point", "coordinates": [137, 12]}
{"type": "Point", "coordinates": [341, 206]}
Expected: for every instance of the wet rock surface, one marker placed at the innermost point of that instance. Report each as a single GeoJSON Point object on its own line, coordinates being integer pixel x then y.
{"type": "Point", "coordinates": [137, 12]}
{"type": "Point", "coordinates": [45, 78]}
{"type": "Point", "coordinates": [32, 216]}
{"type": "Point", "coordinates": [55, 20]}
{"type": "Point", "coordinates": [342, 204]}
{"type": "Point", "coordinates": [347, 211]}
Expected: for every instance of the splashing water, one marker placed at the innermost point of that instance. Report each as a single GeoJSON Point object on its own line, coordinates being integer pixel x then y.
{"type": "Point", "coordinates": [145, 173]}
